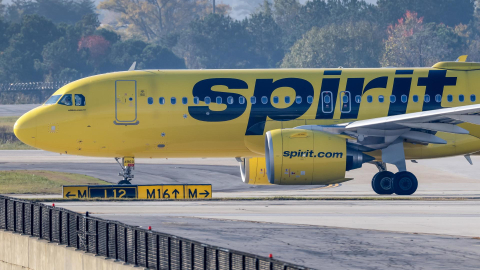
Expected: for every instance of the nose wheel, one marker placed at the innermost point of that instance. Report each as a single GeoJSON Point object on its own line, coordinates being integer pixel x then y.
{"type": "Point", "coordinates": [127, 166]}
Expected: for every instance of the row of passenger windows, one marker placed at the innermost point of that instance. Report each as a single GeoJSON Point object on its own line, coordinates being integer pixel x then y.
{"type": "Point", "coordinates": [415, 98]}
{"type": "Point", "coordinates": [231, 100]}
{"type": "Point", "coordinates": [298, 99]}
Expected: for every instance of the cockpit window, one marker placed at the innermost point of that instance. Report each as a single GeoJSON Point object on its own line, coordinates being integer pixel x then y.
{"type": "Point", "coordinates": [53, 99]}
{"type": "Point", "coordinates": [66, 100]}
{"type": "Point", "coordinates": [80, 100]}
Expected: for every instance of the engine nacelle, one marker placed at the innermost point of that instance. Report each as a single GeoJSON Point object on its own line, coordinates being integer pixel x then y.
{"type": "Point", "coordinates": [306, 157]}
{"type": "Point", "coordinates": [253, 171]}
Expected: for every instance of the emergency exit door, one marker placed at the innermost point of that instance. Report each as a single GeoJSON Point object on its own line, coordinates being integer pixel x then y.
{"type": "Point", "coordinates": [126, 102]}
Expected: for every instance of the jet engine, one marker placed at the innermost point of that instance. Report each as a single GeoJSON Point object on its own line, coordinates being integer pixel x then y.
{"type": "Point", "coordinates": [306, 157]}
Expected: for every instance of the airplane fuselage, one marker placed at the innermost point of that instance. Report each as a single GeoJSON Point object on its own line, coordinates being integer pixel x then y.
{"type": "Point", "coordinates": [164, 114]}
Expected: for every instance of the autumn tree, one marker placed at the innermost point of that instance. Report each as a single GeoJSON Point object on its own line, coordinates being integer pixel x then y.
{"type": "Point", "coordinates": [351, 44]}
{"type": "Point", "coordinates": [156, 19]}
{"type": "Point", "coordinates": [412, 43]}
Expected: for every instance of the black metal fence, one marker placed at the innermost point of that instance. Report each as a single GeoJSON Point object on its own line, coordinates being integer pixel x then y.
{"type": "Point", "coordinates": [130, 244]}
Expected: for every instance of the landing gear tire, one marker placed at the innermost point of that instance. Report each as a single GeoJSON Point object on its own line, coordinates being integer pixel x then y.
{"type": "Point", "coordinates": [382, 183]}
{"type": "Point", "coordinates": [124, 182]}
{"type": "Point", "coordinates": [405, 183]}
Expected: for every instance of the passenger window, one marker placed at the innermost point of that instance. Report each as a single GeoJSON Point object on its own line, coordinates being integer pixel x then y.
{"type": "Point", "coordinates": [184, 100]}
{"type": "Point", "coordinates": [207, 100]}
{"type": "Point", "coordinates": [381, 99]}
{"type": "Point", "coordinates": [230, 100]}
{"type": "Point", "coordinates": [345, 99]}
{"type": "Point", "coordinates": [473, 98]}
{"type": "Point", "coordinates": [298, 99]}
{"type": "Point", "coordinates": [253, 100]}
{"type": "Point", "coordinates": [150, 100]}
{"type": "Point", "coordinates": [196, 100]}
{"type": "Point", "coordinates": [358, 99]}
{"type": "Point", "coordinates": [404, 98]}
{"type": "Point", "coordinates": [219, 100]}
{"type": "Point", "coordinates": [287, 99]}
{"type": "Point", "coordinates": [415, 98]}
{"type": "Point", "coordinates": [426, 98]}
{"type": "Point", "coordinates": [173, 101]}
{"type": "Point", "coordinates": [438, 98]}
{"type": "Point", "coordinates": [369, 99]}
{"type": "Point", "coordinates": [310, 99]}
{"type": "Point", "coordinates": [393, 98]}
{"type": "Point", "coordinates": [80, 100]}
{"type": "Point", "coordinates": [66, 100]}
{"type": "Point", "coordinates": [241, 100]}
{"type": "Point", "coordinates": [461, 98]}
{"type": "Point", "coordinates": [53, 99]}
{"type": "Point", "coordinates": [161, 101]}
{"type": "Point", "coordinates": [275, 100]}
{"type": "Point", "coordinates": [449, 98]}
{"type": "Point", "coordinates": [264, 100]}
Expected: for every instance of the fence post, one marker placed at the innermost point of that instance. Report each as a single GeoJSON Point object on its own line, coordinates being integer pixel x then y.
{"type": "Point", "coordinates": [85, 231]}
{"type": "Point", "coordinates": [205, 257]}
{"type": "Point", "coordinates": [230, 263]}
{"type": "Point", "coordinates": [68, 229]}
{"type": "Point", "coordinates": [107, 247]}
{"type": "Point", "coordinates": [6, 214]}
{"type": "Point", "coordinates": [14, 216]}
{"type": "Point", "coordinates": [40, 217]}
{"type": "Point", "coordinates": [180, 254]}
{"type": "Point", "coordinates": [50, 225]}
{"type": "Point", "coordinates": [169, 252]}
{"type": "Point", "coordinates": [77, 227]}
{"type": "Point", "coordinates": [125, 244]}
{"type": "Point", "coordinates": [32, 213]}
{"type": "Point", "coordinates": [257, 264]}
{"type": "Point", "coordinates": [192, 256]}
{"type": "Point", "coordinates": [23, 218]}
{"type": "Point", "coordinates": [146, 250]}
{"type": "Point", "coordinates": [96, 237]}
{"type": "Point", "coordinates": [217, 262]}
{"type": "Point", "coordinates": [135, 247]}
{"type": "Point", "coordinates": [244, 263]}
{"type": "Point", "coordinates": [157, 251]}
{"type": "Point", "coordinates": [116, 242]}
{"type": "Point", "coordinates": [60, 227]}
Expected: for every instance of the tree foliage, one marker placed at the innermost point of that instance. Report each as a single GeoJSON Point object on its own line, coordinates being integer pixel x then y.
{"type": "Point", "coordinates": [352, 45]}
{"type": "Point", "coordinates": [413, 43]}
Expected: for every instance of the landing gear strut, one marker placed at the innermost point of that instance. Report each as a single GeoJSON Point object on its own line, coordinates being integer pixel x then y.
{"type": "Point", "coordinates": [386, 183]}
{"type": "Point", "coordinates": [127, 166]}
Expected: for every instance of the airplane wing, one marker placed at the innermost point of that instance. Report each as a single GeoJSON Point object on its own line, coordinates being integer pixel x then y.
{"type": "Point", "coordinates": [420, 127]}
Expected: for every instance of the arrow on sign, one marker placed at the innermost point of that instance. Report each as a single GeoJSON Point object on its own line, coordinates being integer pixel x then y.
{"type": "Point", "coordinates": [176, 193]}
{"type": "Point", "coordinates": [206, 193]}
{"type": "Point", "coordinates": [68, 195]}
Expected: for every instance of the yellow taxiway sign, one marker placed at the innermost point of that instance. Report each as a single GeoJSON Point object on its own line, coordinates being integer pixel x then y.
{"type": "Point", "coordinates": [148, 192]}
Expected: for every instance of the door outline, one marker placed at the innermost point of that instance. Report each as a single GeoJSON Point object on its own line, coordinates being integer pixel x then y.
{"type": "Point", "coordinates": [342, 94]}
{"type": "Point", "coordinates": [323, 102]}
{"type": "Point", "coordinates": [130, 122]}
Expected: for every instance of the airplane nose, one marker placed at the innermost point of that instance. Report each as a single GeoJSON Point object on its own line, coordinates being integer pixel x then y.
{"type": "Point", "coordinates": [26, 129]}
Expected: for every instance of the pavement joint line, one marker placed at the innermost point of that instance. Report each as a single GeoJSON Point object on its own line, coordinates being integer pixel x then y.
{"type": "Point", "coordinates": [266, 199]}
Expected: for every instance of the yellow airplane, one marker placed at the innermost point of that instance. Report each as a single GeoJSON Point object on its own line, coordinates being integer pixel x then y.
{"type": "Point", "coordinates": [284, 126]}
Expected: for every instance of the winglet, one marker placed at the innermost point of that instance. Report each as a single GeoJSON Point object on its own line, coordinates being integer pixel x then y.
{"type": "Point", "coordinates": [462, 58]}
{"type": "Point", "coordinates": [132, 67]}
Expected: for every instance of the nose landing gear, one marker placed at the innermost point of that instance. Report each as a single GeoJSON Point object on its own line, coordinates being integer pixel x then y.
{"type": "Point", "coordinates": [127, 165]}
{"type": "Point", "coordinates": [387, 183]}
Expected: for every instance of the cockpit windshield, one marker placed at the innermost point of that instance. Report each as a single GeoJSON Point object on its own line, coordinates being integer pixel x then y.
{"type": "Point", "coordinates": [66, 100]}
{"type": "Point", "coordinates": [53, 100]}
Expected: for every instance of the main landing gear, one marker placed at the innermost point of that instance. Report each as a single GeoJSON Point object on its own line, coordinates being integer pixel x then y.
{"type": "Point", "coordinates": [387, 183]}
{"type": "Point", "coordinates": [127, 165]}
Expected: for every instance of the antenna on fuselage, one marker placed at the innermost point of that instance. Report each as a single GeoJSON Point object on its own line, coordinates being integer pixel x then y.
{"type": "Point", "coordinates": [132, 67]}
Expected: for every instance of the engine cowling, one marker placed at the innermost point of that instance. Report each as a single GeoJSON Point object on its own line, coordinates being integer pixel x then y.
{"type": "Point", "coordinates": [253, 171]}
{"type": "Point", "coordinates": [306, 157]}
